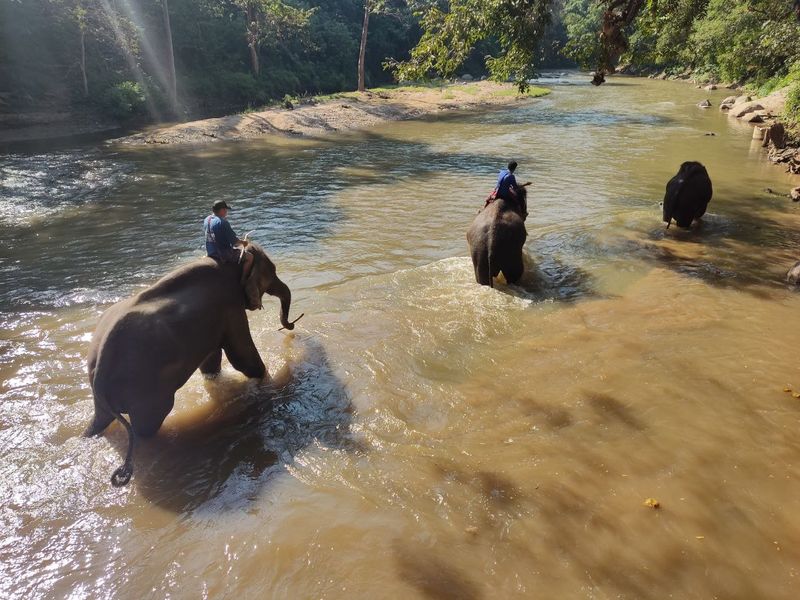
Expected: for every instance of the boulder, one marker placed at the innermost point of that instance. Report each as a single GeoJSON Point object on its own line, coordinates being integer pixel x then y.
{"type": "Point", "coordinates": [710, 87]}
{"type": "Point", "coordinates": [704, 104]}
{"type": "Point", "coordinates": [755, 116]}
{"type": "Point", "coordinates": [774, 135]}
{"type": "Point", "coordinates": [793, 276]}
{"type": "Point", "coordinates": [466, 77]}
{"type": "Point", "coordinates": [733, 86]}
{"type": "Point", "coordinates": [727, 103]}
{"type": "Point", "coordinates": [741, 109]}
{"type": "Point", "coordinates": [795, 194]}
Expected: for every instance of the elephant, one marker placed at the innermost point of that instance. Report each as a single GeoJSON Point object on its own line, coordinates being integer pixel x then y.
{"type": "Point", "coordinates": [688, 195]}
{"type": "Point", "coordinates": [495, 240]}
{"type": "Point", "coordinates": [146, 347]}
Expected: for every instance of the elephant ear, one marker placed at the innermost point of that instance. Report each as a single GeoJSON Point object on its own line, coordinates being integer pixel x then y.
{"type": "Point", "coordinates": [252, 290]}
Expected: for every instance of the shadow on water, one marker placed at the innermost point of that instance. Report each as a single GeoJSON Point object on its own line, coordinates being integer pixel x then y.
{"type": "Point", "coordinates": [246, 436]}
{"type": "Point", "coordinates": [432, 576]}
{"type": "Point", "coordinates": [548, 278]}
{"type": "Point", "coordinates": [743, 249]}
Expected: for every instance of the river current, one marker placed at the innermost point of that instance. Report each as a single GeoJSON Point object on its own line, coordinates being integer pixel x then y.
{"type": "Point", "coordinates": [422, 436]}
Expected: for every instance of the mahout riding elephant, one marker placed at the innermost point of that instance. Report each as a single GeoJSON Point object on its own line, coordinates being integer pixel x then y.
{"type": "Point", "coordinates": [496, 237]}
{"type": "Point", "coordinates": [688, 195]}
{"type": "Point", "coordinates": [146, 347]}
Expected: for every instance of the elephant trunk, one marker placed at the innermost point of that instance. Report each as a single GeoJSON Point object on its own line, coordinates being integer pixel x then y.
{"type": "Point", "coordinates": [280, 290]}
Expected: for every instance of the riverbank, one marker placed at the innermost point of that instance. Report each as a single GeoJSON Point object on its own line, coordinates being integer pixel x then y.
{"type": "Point", "coordinates": [337, 112]}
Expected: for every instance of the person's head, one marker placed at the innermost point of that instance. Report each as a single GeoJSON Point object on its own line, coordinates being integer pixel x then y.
{"type": "Point", "coordinates": [220, 208]}
{"type": "Point", "coordinates": [512, 166]}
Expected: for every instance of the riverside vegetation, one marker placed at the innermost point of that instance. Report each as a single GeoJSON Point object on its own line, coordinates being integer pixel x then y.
{"type": "Point", "coordinates": [122, 60]}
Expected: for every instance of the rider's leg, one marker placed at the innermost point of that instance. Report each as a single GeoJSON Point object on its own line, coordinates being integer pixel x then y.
{"type": "Point", "coordinates": [247, 266]}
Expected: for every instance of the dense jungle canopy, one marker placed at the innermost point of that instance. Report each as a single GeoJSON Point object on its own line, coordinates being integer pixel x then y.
{"type": "Point", "coordinates": [153, 58]}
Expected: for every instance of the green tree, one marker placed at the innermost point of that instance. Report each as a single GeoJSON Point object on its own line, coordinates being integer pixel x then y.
{"type": "Point", "coordinates": [269, 20]}
{"type": "Point", "coordinates": [452, 30]}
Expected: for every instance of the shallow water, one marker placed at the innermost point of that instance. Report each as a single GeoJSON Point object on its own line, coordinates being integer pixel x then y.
{"type": "Point", "coordinates": [422, 437]}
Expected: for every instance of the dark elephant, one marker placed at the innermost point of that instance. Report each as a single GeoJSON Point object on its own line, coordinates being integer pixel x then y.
{"type": "Point", "coordinates": [688, 195]}
{"type": "Point", "coordinates": [146, 347]}
{"type": "Point", "coordinates": [495, 240]}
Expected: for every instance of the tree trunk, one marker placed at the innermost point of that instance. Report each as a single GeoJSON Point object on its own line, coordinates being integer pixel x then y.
{"type": "Point", "coordinates": [254, 62]}
{"type": "Point", "coordinates": [83, 64]}
{"type": "Point", "coordinates": [252, 40]}
{"type": "Point", "coordinates": [172, 82]}
{"type": "Point", "coordinates": [363, 49]}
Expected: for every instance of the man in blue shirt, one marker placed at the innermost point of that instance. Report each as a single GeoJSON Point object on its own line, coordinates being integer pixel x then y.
{"type": "Point", "coordinates": [221, 241]}
{"type": "Point", "coordinates": [507, 186]}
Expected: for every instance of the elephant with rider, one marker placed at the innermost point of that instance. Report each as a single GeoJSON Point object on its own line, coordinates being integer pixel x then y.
{"type": "Point", "coordinates": [146, 347]}
{"type": "Point", "coordinates": [496, 238]}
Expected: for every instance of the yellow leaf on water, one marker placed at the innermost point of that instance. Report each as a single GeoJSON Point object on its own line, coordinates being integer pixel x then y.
{"type": "Point", "coordinates": [700, 537]}
{"type": "Point", "coordinates": [652, 503]}
{"type": "Point", "coordinates": [795, 395]}
{"type": "Point", "coordinates": [787, 389]}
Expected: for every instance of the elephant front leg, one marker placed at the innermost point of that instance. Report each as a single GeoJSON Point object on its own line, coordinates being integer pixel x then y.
{"type": "Point", "coordinates": [241, 351]}
{"type": "Point", "coordinates": [212, 365]}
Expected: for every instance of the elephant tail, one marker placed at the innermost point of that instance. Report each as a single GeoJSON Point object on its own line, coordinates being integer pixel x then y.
{"type": "Point", "coordinates": [122, 475]}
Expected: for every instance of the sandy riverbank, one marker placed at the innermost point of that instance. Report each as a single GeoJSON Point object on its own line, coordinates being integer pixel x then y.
{"type": "Point", "coordinates": [338, 112]}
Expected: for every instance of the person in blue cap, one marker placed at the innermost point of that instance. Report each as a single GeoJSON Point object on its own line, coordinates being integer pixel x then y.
{"type": "Point", "coordinates": [507, 186]}
{"type": "Point", "coordinates": [221, 241]}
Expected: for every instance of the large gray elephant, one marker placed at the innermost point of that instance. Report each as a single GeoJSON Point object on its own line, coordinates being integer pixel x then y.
{"type": "Point", "coordinates": [687, 195]}
{"type": "Point", "coordinates": [146, 347]}
{"type": "Point", "coordinates": [495, 240]}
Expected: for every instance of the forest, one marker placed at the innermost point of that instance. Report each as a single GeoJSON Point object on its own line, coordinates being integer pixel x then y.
{"type": "Point", "coordinates": [159, 59]}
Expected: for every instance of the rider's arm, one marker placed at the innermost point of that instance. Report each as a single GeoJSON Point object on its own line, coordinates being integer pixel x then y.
{"type": "Point", "coordinates": [226, 237]}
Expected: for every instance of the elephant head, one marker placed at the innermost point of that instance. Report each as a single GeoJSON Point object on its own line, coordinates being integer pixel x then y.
{"type": "Point", "coordinates": [264, 280]}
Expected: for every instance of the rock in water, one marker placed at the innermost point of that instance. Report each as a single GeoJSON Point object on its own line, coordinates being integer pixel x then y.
{"type": "Point", "coordinates": [728, 103]}
{"type": "Point", "coordinates": [755, 116]}
{"type": "Point", "coordinates": [704, 104]}
{"type": "Point", "coordinates": [775, 134]}
{"type": "Point", "coordinates": [744, 108]}
{"type": "Point", "coordinates": [711, 87]}
{"type": "Point", "coordinates": [793, 276]}
{"type": "Point", "coordinates": [795, 195]}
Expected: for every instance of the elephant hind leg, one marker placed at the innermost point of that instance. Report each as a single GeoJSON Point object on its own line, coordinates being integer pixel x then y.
{"type": "Point", "coordinates": [147, 419]}
{"type": "Point", "coordinates": [102, 419]}
{"type": "Point", "coordinates": [513, 269]}
{"type": "Point", "coordinates": [483, 275]}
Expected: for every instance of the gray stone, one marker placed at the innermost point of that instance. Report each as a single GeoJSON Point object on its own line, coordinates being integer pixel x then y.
{"type": "Point", "coordinates": [755, 116]}
{"type": "Point", "coordinates": [727, 103]}
{"type": "Point", "coordinates": [710, 87]}
{"type": "Point", "coordinates": [466, 77]}
{"type": "Point", "coordinates": [704, 104]}
{"type": "Point", "coordinates": [793, 276]}
{"type": "Point", "coordinates": [744, 108]}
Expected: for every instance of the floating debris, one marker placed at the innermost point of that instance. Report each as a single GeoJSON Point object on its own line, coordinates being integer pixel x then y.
{"type": "Point", "coordinates": [652, 503]}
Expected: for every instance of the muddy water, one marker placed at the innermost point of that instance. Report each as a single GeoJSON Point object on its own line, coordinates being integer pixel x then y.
{"type": "Point", "coordinates": [422, 437]}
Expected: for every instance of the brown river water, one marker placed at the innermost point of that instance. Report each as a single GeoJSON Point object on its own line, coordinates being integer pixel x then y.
{"type": "Point", "coordinates": [422, 436]}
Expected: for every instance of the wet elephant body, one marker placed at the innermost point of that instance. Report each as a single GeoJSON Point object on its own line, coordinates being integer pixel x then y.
{"type": "Point", "coordinates": [146, 347]}
{"type": "Point", "coordinates": [688, 194]}
{"type": "Point", "coordinates": [496, 238]}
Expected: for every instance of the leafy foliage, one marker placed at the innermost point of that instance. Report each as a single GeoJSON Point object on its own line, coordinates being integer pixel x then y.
{"type": "Point", "coordinates": [452, 30]}
{"type": "Point", "coordinates": [125, 100]}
